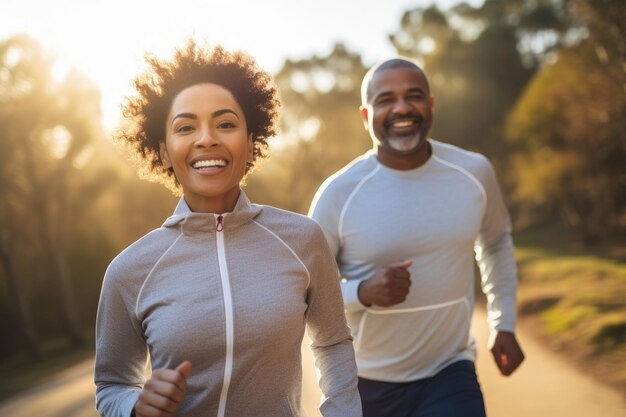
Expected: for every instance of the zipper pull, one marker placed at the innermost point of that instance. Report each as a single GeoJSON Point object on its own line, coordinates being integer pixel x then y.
{"type": "Point", "coordinates": [219, 225]}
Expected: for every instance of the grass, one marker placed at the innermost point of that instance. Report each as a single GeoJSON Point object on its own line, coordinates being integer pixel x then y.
{"type": "Point", "coordinates": [574, 298]}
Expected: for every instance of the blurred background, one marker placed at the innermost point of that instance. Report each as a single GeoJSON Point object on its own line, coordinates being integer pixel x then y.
{"type": "Point", "coordinates": [537, 86]}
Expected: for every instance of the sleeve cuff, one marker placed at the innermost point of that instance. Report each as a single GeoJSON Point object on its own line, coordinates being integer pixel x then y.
{"type": "Point", "coordinates": [350, 292]}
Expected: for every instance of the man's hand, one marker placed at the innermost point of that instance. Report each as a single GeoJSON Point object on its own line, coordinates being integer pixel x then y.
{"type": "Point", "coordinates": [388, 287]}
{"type": "Point", "coordinates": [163, 392]}
{"type": "Point", "coordinates": [506, 352]}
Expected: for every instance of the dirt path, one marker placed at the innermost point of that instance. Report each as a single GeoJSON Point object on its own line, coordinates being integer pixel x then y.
{"type": "Point", "coordinates": [545, 386]}
{"type": "Point", "coordinates": [69, 394]}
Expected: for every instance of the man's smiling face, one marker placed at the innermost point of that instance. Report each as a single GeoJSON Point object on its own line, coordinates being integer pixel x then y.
{"type": "Point", "coordinates": [399, 111]}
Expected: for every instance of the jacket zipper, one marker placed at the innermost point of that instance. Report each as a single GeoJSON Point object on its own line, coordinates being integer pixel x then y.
{"type": "Point", "coordinates": [228, 313]}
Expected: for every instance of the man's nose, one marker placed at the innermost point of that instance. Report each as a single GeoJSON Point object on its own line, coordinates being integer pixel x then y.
{"type": "Point", "coordinates": [402, 106]}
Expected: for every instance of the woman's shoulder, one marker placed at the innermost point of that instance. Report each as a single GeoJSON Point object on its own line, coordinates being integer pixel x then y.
{"type": "Point", "coordinates": [289, 225]}
{"type": "Point", "coordinates": [278, 216]}
{"type": "Point", "coordinates": [142, 254]}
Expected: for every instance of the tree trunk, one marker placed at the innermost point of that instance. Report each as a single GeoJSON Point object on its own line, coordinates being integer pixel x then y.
{"type": "Point", "coordinates": [28, 333]}
{"type": "Point", "coordinates": [63, 275]}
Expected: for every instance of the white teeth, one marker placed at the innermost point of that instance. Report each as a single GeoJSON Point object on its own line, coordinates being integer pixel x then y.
{"type": "Point", "coordinates": [403, 123]}
{"type": "Point", "coordinates": [209, 163]}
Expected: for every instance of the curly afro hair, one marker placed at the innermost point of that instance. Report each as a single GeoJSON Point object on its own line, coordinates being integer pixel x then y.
{"type": "Point", "coordinates": [157, 87]}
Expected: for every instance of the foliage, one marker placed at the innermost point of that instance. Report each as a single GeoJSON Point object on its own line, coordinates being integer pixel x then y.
{"type": "Point", "coordinates": [569, 138]}
{"type": "Point", "coordinates": [321, 128]}
{"type": "Point", "coordinates": [476, 70]}
{"type": "Point", "coordinates": [573, 299]}
{"type": "Point", "coordinates": [48, 122]}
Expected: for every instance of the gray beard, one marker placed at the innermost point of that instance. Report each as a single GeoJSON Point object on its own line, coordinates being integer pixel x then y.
{"type": "Point", "coordinates": [404, 144]}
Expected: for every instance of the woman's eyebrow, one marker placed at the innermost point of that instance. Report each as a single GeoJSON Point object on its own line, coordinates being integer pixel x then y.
{"type": "Point", "coordinates": [214, 114]}
{"type": "Point", "coordinates": [185, 116]}
{"type": "Point", "coordinates": [222, 111]}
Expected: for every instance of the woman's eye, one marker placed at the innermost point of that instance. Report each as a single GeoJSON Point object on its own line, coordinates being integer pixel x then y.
{"type": "Point", "coordinates": [184, 128]}
{"type": "Point", "coordinates": [226, 125]}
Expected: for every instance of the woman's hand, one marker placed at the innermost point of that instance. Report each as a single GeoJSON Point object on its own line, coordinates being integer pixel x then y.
{"type": "Point", "coordinates": [163, 392]}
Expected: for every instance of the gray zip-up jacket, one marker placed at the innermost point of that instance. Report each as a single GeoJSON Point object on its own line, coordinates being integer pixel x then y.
{"type": "Point", "coordinates": [232, 294]}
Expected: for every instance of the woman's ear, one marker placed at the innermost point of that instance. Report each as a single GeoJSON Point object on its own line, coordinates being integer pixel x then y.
{"type": "Point", "coordinates": [165, 157]}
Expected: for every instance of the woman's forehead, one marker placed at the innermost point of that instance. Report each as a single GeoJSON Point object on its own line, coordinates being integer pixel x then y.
{"type": "Point", "coordinates": [204, 96]}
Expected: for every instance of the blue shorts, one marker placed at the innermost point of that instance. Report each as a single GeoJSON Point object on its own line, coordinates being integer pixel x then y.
{"type": "Point", "coordinates": [453, 392]}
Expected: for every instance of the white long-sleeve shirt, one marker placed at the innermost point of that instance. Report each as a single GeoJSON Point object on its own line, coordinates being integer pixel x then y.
{"type": "Point", "coordinates": [233, 295]}
{"type": "Point", "coordinates": [442, 216]}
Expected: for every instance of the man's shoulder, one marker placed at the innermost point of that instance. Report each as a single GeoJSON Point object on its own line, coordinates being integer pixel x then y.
{"type": "Point", "coordinates": [452, 154]}
{"type": "Point", "coordinates": [336, 189]}
{"type": "Point", "coordinates": [351, 173]}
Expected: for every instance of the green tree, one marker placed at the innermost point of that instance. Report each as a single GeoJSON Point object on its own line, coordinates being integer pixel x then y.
{"type": "Point", "coordinates": [568, 131]}
{"type": "Point", "coordinates": [48, 121]}
{"type": "Point", "coordinates": [479, 61]}
{"type": "Point", "coordinates": [321, 129]}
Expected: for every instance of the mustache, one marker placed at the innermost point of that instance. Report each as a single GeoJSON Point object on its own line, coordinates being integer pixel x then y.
{"type": "Point", "coordinates": [392, 119]}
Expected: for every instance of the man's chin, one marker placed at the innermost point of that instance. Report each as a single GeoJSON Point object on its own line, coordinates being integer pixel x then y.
{"type": "Point", "coordinates": [404, 145]}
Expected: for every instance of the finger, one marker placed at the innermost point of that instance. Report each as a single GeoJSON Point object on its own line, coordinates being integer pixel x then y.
{"type": "Point", "coordinates": [165, 389]}
{"type": "Point", "coordinates": [515, 360]}
{"type": "Point", "coordinates": [498, 357]}
{"type": "Point", "coordinates": [398, 299]}
{"type": "Point", "coordinates": [152, 403]}
{"type": "Point", "coordinates": [168, 375]}
{"type": "Point", "coordinates": [504, 365]}
{"type": "Point", "coordinates": [402, 280]}
{"type": "Point", "coordinates": [398, 291]}
{"type": "Point", "coordinates": [399, 273]}
{"type": "Point", "coordinates": [184, 369]}
{"type": "Point", "coordinates": [149, 410]}
{"type": "Point", "coordinates": [402, 264]}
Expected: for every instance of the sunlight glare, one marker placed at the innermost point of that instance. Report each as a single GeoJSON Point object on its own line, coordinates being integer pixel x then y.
{"type": "Point", "coordinates": [323, 80]}
{"type": "Point", "coordinates": [309, 128]}
{"type": "Point", "coordinates": [13, 57]}
{"type": "Point", "coordinates": [107, 41]}
{"type": "Point", "coordinates": [299, 82]}
{"type": "Point", "coordinates": [57, 140]}
{"type": "Point", "coordinates": [59, 71]}
{"type": "Point", "coordinates": [83, 158]}
{"type": "Point", "coordinates": [427, 45]}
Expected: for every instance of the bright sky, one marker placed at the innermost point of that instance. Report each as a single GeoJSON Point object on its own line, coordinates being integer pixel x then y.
{"type": "Point", "coordinates": [107, 39]}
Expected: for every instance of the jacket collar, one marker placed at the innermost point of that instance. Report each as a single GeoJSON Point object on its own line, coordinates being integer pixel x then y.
{"type": "Point", "coordinates": [190, 221]}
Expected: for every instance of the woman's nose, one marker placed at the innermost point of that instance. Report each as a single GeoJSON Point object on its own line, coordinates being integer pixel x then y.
{"type": "Point", "coordinates": [205, 138]}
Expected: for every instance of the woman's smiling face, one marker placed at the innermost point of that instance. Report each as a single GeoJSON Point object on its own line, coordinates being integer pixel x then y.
{"type": "Point", "coordinates": [208, 146]}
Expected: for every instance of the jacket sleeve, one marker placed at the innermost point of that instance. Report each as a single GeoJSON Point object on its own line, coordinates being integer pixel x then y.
{"type": "Point", "coordinates": [326, 212]}
{"type": "Point", "coordinates": [121, 352]}
{"type": "Point", "coordinates": [496, 258]}
{"type": "Point", "coordinates": [331, 340]}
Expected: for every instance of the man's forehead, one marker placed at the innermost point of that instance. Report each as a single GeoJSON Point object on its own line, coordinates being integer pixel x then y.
{"type": "Point", "coordinates": [390, 79]}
